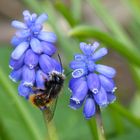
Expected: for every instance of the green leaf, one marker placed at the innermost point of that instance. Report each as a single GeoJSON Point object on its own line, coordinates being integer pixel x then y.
{"type": "Point", "coordinates": [110, 22]}
{"type": "Point", "coordinates": [134, 6]}
{"type": "Point", "coordinates": [132, 134]}
{"type": "Point", "coordinates": [65, 11]}
{"type": "Point", "coordinates": [76, 9]}
{"type": "Point", "coordinates": [126, 114]}
{"type": "Point", "coordinates": [136, 104]}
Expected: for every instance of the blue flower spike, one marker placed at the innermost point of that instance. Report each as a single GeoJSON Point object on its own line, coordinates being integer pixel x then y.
{"type": "Point", "coordinates": [31, 59]}
{"type": "Point", "coordinates": [91, 84]}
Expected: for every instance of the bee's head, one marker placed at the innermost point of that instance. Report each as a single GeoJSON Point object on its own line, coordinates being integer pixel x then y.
{"type": "Point", "coordinates": [57, 77]}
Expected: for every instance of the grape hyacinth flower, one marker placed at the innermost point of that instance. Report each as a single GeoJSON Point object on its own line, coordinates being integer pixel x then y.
{"type": "Point", "coordinates": [91, 83]}
{"type": "Point", "coordinates": [31, 61]}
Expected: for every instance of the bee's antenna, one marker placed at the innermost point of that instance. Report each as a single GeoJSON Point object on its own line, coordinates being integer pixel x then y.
{"type": "Point", "coordinates": [60, 62]}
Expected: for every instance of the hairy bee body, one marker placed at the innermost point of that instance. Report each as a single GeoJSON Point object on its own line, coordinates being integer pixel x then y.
{"type": "Point", "coordinates": [55, 84]}
{"type": "Point", "coordinates": [41, 100]}
{"type": "Point", "coordinates": [45, 99]}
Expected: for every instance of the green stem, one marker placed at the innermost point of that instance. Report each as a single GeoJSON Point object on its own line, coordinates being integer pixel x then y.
{"type": "Point", "coordinates": [131, 53]}
{"type": "Point", "coordinates": [52, 132]}
{"type": "Point", "coordinates": [93, 128]}
{"type": "Point", "coordinates": [100, 129]}
{"type": "Point", "coordinates": [96, 125]}
{"type": "Point", "coordinates": [24, 114]}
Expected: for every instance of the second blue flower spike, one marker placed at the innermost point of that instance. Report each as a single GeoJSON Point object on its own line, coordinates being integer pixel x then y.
{"type": "Point", "coordinates": [91, 84]}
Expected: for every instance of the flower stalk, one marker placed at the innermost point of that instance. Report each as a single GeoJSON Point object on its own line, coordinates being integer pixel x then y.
{"type": "Point", "coordinates": [96, 125]}
{"type": "Point", "coordinates": [52, 132]}
{"type": "Point", "coordinates": [99, 124]}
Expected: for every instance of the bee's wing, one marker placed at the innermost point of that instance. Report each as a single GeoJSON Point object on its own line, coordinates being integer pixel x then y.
{"type": "Point", "coordinates": [49, 111]}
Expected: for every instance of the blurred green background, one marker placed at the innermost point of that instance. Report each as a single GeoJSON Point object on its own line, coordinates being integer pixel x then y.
{"type": "Point", "coordinates": [120, 21]}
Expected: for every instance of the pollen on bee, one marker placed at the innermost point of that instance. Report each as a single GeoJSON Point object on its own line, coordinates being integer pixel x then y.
{"type": "Point", "coordinates": [31, 99]}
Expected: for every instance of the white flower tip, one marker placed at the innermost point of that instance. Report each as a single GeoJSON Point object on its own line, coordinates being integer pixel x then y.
{"type": "Point", "coordinates": [113, 100]}
{"type": "Point", "coordinates": [31, 66]}
{"type": "Point", "coordinates": [14, 80]}
{"type": "Point", "coordinates": [95, 90]}
{"type": "Point", "coordinates": [11, 67]}
{"type": "Point", "coordinates": [76, 100]}
{"type": "Point", "coordinates": [70, 90]}
{"type": "Point", "coordinates": [114, 89]}
{"type": "Point", "coordinates": [77, 73]}
{"type": "Point", "coordinates": [74, 108]}
{"type": "Point", "coordinates": [28, 84]}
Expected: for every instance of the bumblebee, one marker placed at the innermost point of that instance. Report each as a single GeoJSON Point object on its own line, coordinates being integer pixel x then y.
{"type": "Point", "coordinates": [46, 99]}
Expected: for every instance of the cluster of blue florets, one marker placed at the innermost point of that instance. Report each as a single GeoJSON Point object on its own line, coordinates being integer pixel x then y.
{"type": "Point", "coordinates": [31, 59]}
{"type": "Point", "coordinates": [91, 84]}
